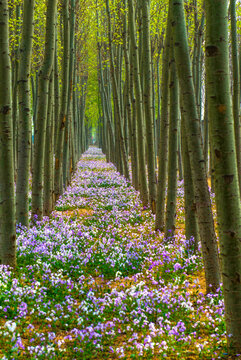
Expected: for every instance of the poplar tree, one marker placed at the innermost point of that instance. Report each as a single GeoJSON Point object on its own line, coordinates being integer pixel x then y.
{"type": "Point", "coordinates": [7, 201]}
{"type": "Point", "coordinates": [130, 106]}
{"type": "Point", "coordinates": [40, 132]}
{"type": "Point", "coordinates": [49, 153]}
{"type": "Point", "coordinates": [191, 225]}
{"type": "Point", "coordinates": [224, 163]}
{"type": "Point", "coordinates": [117, 99]}
{"type": "Point", "coordinates": [24, 125]}
{"type": "Point", "coordinates": [58, 175]}
{"type": "Point", "coordinates": [236, 85]}
{"type": "Point", "coordinates": [14, 72]}
{"type": "Point", "coordinates": [148, 104]}
{"type": "Point", "coordinates": [198, 166]}
{"type": "Point", "coordinates": [134, 63]}
{"type": "Point", "coordinates": [164, 127]}
{"type": "Point", "coordinates": [173, 148]}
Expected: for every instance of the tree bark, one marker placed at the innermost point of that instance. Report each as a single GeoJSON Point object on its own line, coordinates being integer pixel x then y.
{"type": "Point", "coordinates": [116, 99]}
{"type": "Point", "coordinates": [134, 63]}
{"type": "Point", "coordinates": [7, 201]}
{"type": "Point", "coordinates": [224, 164]}
{"type": "Point", "coordinates": [191, 225]}
{"type": "Point", "coordinates": [15, 70]}
{"type": "Point", "coordinates": [25, 128]}
{"type": "Point", "coordinates": [164, 127]}
{"type": "Point", "coordinates": [173, 149]}
{"type": "Point", "coordinates": [198, 166]}
{"type": "Point", "coordinates": [49, 152]}
{"type": "Point", "coordinates": [40, 132]}
{"type": "Point", "coordinates": [58, 176]}
{"type": "Point", "coordinates": [236, 85]}
{"type": "Point", "coordinates": [148, 105]}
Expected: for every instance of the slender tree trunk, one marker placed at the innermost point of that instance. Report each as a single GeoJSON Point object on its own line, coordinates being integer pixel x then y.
{"type": "Point", "coordinates": [191, 225]}
{"type": "Point", "coordinates": [49, 152]}
{"type": "Point", "coordinates": [106, 107]}
{"type": "Point", "coordinates": [40, 133]}
{"type": "Point", "coordinates": [153, 93]}
{"type": "Point", "coordinates": [25, 128]}
{"type": "Point", "coordinates": [131, 115]}
{"type": "Point", "coordinates": [206, 132]}
{"type": "Point", "coordinates": [134, 126]}
{"type": "Point", "coordinates": [134, 61]}
{"type": "Point", "coordinates": [34, 84]}
{"type": "Point", "coordinates": [66, 150]}
{"type": "Point", "coordinates": [116, 98]}
{"type": "Point", "coordinates": [198, 166]}
{"type": "Point", "coordinates": [75, 112]}
{"type": "Point", "coordinates": [163, 146]}
{"type": "Point", "coordinates": [173, 149]}
{"type": "Point", "coordinates": [148, 105]}
{"type": "Point", "coordinates": [179, 153]}
{"type": "Point", "coordinates": [67, 160]}
{"type": "Point", "coordinates": [35, 99]}
{"type": "Point", "coordinates": [194, 58]}
{"type": "Point", "coordinates": [7, 201]}
{"type": "Point", "coordinates": [236, 85]}
{"type": "Point", "coordinates": [158, 121]}
{"type": "Point", "coordinates": [240, 70]}
{"type": "Point", "coordinates": [56, 93]}
{"type": "Point", "coordinates": [199, 67]}
{"type": "Point", "coordinates": [134, 140]}
{"type": "Point", "coordinates": [224, 163]}
{"type": "Point", "coordinates": [15, 69]}
{"type": "Point", "coordinates": [64, 105]}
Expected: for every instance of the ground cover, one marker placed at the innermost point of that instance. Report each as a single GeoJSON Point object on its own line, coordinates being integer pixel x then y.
{"type": "Point", "coordinates": [95, 281]}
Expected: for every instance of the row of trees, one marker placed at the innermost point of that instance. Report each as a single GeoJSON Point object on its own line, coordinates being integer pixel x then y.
{"type": "Point", "coordinates": [186, 120]}
{"type": "Point", "coordinates": [43, 77]}
{"type": "Point", "coordinates": [164, 100]}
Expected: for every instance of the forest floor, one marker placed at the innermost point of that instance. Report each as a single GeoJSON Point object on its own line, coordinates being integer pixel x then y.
{"type": "Point", "coordinates": [95, 281]}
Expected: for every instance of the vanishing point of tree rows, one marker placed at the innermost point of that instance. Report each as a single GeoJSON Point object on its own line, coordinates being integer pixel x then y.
{"type": "Point", "coordinates": [166, 88]}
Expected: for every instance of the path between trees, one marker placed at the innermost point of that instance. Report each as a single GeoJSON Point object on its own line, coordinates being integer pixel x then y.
{"type": "Point", "coordinates": [95, 281]}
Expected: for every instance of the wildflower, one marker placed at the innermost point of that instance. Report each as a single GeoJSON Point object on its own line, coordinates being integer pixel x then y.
{"type": "Point", "coordinates": [11, 325]}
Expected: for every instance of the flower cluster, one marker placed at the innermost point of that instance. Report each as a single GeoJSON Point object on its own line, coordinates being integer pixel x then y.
{"type": "Point", "coordinates": [106, 285]}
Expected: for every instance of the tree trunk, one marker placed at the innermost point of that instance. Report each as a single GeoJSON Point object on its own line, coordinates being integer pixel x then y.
{"type": "Point", "coordinates": [58, 176]}
{"type": "Point", "coordinates": [116, 98]}
{"type": "Point", "coordinates": [198, 166]}
{"type": "Point", "coordinates": [49, 152]}
{"type": "Point", "coordinates": [224, 163]}
{"type": "Point", "coordinates": [134, 63]}
{"type": "Point", "coordinates": [15, 69]}
{"type": "Point", "coordinates": [206, 132]}
{"type": "Point", "coordinates": [236, 84]}
{"type": "Point", "coordinates": [180, 165]}
{"type": "Point", "coordinates": [7, 201]}
{"type": "Point", "coordinates": [40, 132]}
{"type": "Point", "coordinates": [25, 128]}
{"type": "Point", "coordinates": [67, 159]}
{"type": "Point", "coordinates": [173, 149]}
{"type": "Point", "coordinates": [133, 135]}
{"type": "Point", "coordinates": [56, 93]}
{"type": "Point", "coordinates": [158, 120]}
{"type": "Point", "coordinates": [148, 105]}
{"type": "Point", "coordinates": [164, 126]}
{"type": "Point", "coordinates": [129, 111]}
{"type": "Point", "coordinates": [191, 225]}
